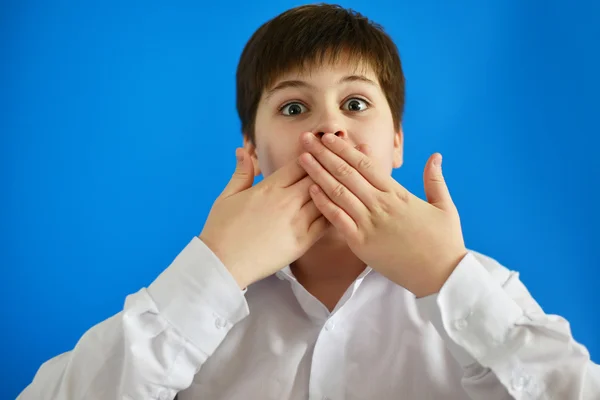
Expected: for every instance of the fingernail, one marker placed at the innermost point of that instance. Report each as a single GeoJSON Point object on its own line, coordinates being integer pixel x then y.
{"type": "Point", "coordinates": [363, 148]}
{"type": "Point", "coordinates": [329, 138]}
{"type": "Point", "coordinates": [239, 155]}
{"type": "Point", "coordinates": [438, 161]}
{"type": "Point", "coordinates": [307, 138]}
{"type": "Point", "coordinates": [305, 158]}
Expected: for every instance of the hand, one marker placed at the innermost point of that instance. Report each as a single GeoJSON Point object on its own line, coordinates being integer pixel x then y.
{"type": "Point", "coordinates": [256, 231]}
{"type": "Point", "coordinates": [415, 243]}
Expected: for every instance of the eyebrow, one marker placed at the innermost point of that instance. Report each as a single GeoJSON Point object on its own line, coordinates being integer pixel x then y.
{"type": "Point", "coordinates": [303, 84]}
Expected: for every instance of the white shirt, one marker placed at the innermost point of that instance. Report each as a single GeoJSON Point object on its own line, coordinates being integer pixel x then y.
{"type": "Point", "coordinates": [193, 332]}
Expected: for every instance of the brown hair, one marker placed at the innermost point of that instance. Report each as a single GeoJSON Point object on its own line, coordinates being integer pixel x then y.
{"type": "Point", "coordinates": [309, 35]}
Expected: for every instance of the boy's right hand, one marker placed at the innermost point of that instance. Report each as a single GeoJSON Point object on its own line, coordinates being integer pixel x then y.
{"type": "Point", "coordinates": [256, 231]}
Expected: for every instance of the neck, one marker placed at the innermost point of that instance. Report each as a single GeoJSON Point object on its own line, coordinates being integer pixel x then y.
{"type": "Point", "coordinates": [328, 268]}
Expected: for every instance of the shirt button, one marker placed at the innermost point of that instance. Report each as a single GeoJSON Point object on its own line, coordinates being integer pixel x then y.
{"type": "Point", "coordinates": [329, 326]}
{"type": "Point", "coordinates": [163, 395]}
{"type": "Point", "coordinates": [520, 382]}
{"type": "Point", "coordinates": [219, 323]}
{"type": "Point", "coordinates": [460, 324]}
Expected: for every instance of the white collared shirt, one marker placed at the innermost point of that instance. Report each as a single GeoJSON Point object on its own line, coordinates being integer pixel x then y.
{"type": "Point", "coordinates": [194, 334]}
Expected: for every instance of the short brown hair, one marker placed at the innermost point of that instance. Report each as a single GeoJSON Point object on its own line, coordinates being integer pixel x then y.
{"type": "Point", "coordinates": [305, 35]}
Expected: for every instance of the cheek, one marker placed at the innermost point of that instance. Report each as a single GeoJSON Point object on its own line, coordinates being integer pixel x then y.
{"type": "Point", "coordinates": [274, 154]}
{"type": "Point", "coordinates": [384, 154]}
{"type": "Point", "coordinates": [382, 148]}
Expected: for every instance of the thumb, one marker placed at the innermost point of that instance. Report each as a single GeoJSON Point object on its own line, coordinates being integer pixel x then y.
{"type": "Point", "coordinates": [435, 186]}
{"type": "Point", "coordinates": [243, 177]}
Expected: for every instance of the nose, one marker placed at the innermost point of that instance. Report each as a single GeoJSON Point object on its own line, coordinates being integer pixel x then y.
{"type": "Point", "coordinates": [329, 124]}
{"type": "Point", "coordinates": [339, 133]}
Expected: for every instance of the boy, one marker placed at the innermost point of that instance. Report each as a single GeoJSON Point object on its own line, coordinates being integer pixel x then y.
{"type": "Point", "coordinates": [327, 280]}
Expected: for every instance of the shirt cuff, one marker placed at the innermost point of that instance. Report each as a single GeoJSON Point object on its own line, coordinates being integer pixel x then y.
{"type": "Point", "coordinates": [472, 312]}
{"type": "Point", "coordinates": [199, 297]}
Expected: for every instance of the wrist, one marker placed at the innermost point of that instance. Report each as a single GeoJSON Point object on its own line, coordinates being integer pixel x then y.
{"type": "Point", "coordinates": [434, 283]}
{"type": "Point", "coordinates": [227, 258]}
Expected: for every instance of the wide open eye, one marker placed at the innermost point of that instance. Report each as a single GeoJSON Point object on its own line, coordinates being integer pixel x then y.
{"type": "Point", "coordinates": [355, 105]}
{"type": "Point", "coordinates": [291, 109]}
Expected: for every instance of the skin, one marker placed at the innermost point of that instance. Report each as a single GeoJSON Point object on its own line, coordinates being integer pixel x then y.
{"type": "Point", "coordinates": [326, 138]}
{"type": "Point", "coordinates": [325, 104]}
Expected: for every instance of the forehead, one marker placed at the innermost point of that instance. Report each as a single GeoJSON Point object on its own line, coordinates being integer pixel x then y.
{"type": "Point", "coordinates": [343, 65]}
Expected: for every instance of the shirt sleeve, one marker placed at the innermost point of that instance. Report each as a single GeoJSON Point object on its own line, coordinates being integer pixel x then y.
{"type": "Point", "coordinates": [154, 347]}
{"type": "Point", "coordinates": [508, 347]}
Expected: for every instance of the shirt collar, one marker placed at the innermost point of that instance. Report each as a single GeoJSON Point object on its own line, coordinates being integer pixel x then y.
{"type": "Point", "coordinates": [287, 274]}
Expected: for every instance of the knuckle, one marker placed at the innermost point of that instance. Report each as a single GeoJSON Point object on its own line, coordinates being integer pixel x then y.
{"type": "Point", "coordinates": [268, 190]}
{"type": "Point", "coordinates": [343, 169]}
{"type": "Point", "coordinates": [376, 212]}
{"type": "Point", "coordinates": [383, 207]}
{"type": "Point", "coordinates": [263, 187]}
{"type": "Point", "coordinates": [365, 163]}
{"type": "Point", "coordinates": [339, 191]}
{"type": "Point", "coordinates": [403, 195]}
{"type": "Point", "coordinates": [381, 212]}
{"type": "Point", "coordinates": [439, 178]}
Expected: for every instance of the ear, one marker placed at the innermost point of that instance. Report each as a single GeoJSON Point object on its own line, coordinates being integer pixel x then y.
{"type": "Point", "coordinates": [251, 149]}
{"type": "Point", "coordinates": [398, 148]}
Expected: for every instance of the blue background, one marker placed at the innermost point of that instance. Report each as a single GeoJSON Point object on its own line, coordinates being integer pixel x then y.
{"type": "Point", "coordinates": [118, 130]}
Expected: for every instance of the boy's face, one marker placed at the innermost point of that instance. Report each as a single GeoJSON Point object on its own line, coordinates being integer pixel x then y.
{"type": "Point", "coordinates": [327, 99]}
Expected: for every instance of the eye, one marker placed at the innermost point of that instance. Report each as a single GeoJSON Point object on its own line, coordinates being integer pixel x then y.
{"type": "Point", "coordinates": [293, 109]}
{"type": "Point", "coordinates": [355, 105]}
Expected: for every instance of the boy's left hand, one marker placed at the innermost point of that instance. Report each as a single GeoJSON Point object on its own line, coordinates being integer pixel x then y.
{"type": "Point", "coordinates": [414, 243]}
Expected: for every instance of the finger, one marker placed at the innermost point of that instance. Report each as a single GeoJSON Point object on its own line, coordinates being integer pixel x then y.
{"type": "Point", "coordinates": [335, 190]}
{"type": "Point", "coordinates": [309, 212]}
{"type": "Point", "coordinates": [287, 175]}
{"type": "Point", "coordinates": [365, 149]}
{"type": "Point", "coordinates": [317, 228]}
{"type": "Point", "coordinates": [436, 190]}
{"type": "Point", "coordinates": [300, 189]}
{"type": "Point", "coordinates": [334, 214]}
{"type": "Point", "coordinates": [363, 163]}
{"type": "Point", "coordinates": [243, 176]}
{"type": "Point", "coordinates": [341, 170]}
